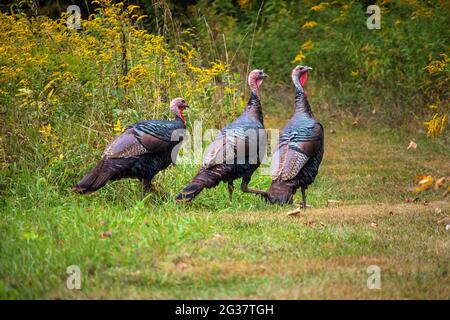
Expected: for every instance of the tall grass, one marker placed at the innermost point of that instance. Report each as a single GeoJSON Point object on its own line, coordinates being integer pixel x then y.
{"type": "Point", "coordinates": [64, 93]}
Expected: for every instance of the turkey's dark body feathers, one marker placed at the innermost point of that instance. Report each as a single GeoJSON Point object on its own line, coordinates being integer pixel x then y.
{"type": "Point", "coordinates": [129, 157]}
{"type": "Point", "coordinates": [212, 172]}
{"type": "Point", "coordinates": [302, 140]}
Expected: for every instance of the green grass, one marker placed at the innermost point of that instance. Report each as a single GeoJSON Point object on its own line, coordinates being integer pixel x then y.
{"type": "Point", "coordinates": [212, 248]}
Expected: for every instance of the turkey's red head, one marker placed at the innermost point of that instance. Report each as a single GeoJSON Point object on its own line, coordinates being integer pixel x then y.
{"type": "Point", "coordinates": [255, 79]}
{"type": "Point", "coordinates": [300, 76]}
{"type": "Point", "coordinates": [177, 106]}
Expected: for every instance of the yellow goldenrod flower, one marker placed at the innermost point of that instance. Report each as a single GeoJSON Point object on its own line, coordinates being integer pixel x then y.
{"type": "Point", "coordinates": [244, 4]}
{"type": "Point", "coordinates": [435, 126]}
{"type": "Point", "coordinates": [118, 127]}
{"type": "Point", "coordinates": [308, 45]}
{"type": "Point", "coordinates": [299, 57]}
{"type": "Point", "coordinates": [309, 24]}
{"type": "Point", "coordinates": [319, 7]}
{"type": "Point", "coordinates": [46, 131]}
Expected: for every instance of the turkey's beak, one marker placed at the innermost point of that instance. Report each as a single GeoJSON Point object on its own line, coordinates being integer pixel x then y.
{"type": "Point", "coordinates": [308, 68]}
{"type": "Point", "coordinates": [265, 75]}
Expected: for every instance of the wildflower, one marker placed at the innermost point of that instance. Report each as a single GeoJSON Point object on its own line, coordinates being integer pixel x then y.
{"type": "Point", "coordinates": [309, 24]}
{"type": "Point", "coordinates": [299, 57]}
{"type": "Point", "coordinates": [229, 90]}
{"type": "Point", "coordinates": [118, 127]}
{"type": "Point", "coordinates": [437, 65]}
{"type": "Point", "coordinates": [46, 131]}
{"type": "Point", "coordinates": [244, 4]}
{"type": "Point", "coordinates": [435, 126]}
{"type": "Point", "coordinates": [308, 45]}
{"type": "Point", "coordinates": [354, 73]}
{"type": "Point", "coordinates": [319, 7]}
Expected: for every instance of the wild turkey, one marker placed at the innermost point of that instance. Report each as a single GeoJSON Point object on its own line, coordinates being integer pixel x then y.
{"type": "Point", "coordinates": [296, 161]}
{"type": "Point", "coordinates": [236, 151]}
{"type": "Point", "coordinates": [140, 152]}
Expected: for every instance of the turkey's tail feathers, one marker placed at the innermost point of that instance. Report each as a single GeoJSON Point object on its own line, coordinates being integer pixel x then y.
{"type": "Point", "coordinates": [94, 180]}
{"type": "Point", "coordinates": [205, 178]}
{"type": "Point", "coordinates": [190, 192]}
{"type": "Point", "coordinates": [280, 193]}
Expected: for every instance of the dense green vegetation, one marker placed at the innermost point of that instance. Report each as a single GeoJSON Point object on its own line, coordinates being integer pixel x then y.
{"type": "Point", "coordinates": [65, 93]}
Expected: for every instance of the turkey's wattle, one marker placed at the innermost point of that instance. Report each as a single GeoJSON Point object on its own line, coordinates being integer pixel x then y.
{"type": "Point", "coordinates": [140, 152]}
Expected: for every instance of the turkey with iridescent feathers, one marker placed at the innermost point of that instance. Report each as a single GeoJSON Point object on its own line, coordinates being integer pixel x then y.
{"type": "Point", "coordinates": [140, 152]}
{"type": "Point", "coordinates": [296, 161]}
{"type": "Point", "coordinates": [237, 150]}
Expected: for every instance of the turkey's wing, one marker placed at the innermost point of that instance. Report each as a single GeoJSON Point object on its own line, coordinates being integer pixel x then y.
{"type": "Point", "coordinates": [290, 157]}
{"type": "Point", "coordinates": [233, 146]}
{"type": "Point", "coordinates": [129, 145]}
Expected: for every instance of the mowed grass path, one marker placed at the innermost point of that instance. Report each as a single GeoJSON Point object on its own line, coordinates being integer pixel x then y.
{"type": "Point", "coordinates": [212, 248]}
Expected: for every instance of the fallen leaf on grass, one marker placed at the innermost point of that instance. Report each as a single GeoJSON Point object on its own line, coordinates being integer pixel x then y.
{"type": "Point", "coordinates": [439, 183]}
{"type": "Point", "coordinates": [412, 145]}
{"type": "Point", "coordinates": [410, 200]}
{"type": "Point", "coordinates": [373, 224]}
{"type": "Point", "coordinates": [332, 131]}
{"type": "Point", "coordinates": [447, 227]}
{"type": "Point", "coordinates": [425, 202]}
{"type": "Point", "coordinates": [438, 210]}
{"type": "Point", "coordinates": [424, 183]}
{"type": "Point", "coordinates": [294, 212]}
{"type": "Point", "coordinates": [391, 213]}
{"type": "Point", "coordinates": [106, 234]}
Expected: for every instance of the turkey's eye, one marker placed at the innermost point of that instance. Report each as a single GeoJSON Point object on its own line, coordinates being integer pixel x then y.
{"type": "Point", "coordinates": [182, 101]}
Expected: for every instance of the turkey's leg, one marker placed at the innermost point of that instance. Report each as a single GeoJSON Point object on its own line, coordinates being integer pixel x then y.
{"type": "Point", "coordinates": [245, 188]}
{"type": "Point", "coordinates": [304, 205]}
{"type": "Point", "coordinates": [230, 189]}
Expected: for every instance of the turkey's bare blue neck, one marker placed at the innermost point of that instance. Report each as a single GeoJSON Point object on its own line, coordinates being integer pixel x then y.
{"type": "Point", "coordinates": [253, 108]}
{"type": "Point", "coordinates": [178, 119]}
{"type": "Point", "coordinates": [302, 106]}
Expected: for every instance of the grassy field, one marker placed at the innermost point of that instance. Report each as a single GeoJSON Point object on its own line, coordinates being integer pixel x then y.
{"type": "Point", "coordinates": [64, 93]}
{"type": "Point", "coordinates": [212, 248]}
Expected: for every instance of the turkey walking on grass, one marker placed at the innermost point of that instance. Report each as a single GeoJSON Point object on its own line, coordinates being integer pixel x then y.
{"type": "Point", "coordinates": [237, 150]}
{"type": "Point", "coordinates": [140, 152]}
{"type": "Point", "coordinates": [296, 161]}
